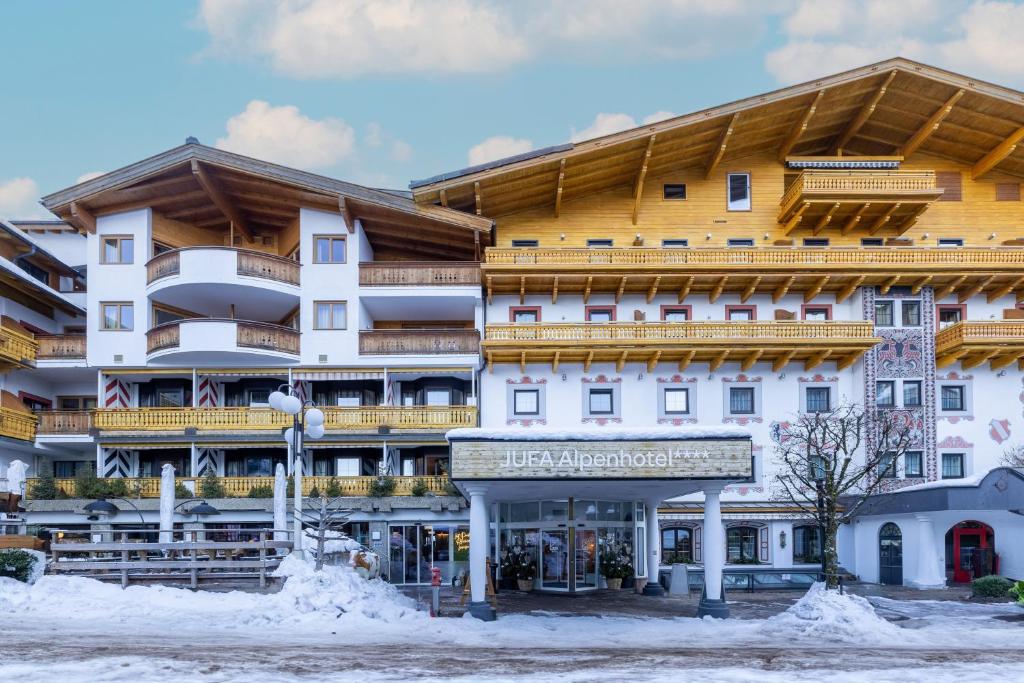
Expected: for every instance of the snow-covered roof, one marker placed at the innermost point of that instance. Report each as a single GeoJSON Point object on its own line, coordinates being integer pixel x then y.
{"type": "Point", "coordinates": [973, 480]}
{"type": "Point", "coordinates": [597, 433]}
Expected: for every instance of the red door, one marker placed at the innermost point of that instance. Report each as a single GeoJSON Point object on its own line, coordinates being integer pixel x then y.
{"type": "Point", "coordinates": [971, 553]}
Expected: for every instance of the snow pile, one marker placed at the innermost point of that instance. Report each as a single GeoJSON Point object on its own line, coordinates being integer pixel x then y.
{"type": "Point", "coordinates": [826, 616]}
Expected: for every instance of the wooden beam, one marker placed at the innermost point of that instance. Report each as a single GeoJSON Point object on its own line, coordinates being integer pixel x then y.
{"type": "Point", "coordinates": [862, 116]}
{"type": "Point", "coordinates": [816, 288]}
{"type": "Point", "coordinates": [975, 361]}
{"type": "Point", "coordinates": [882, 220]}
{"type": "Point", "coordinates": [687, 358]}
{"type": "Point", "coordinates": [652, 291]}
{"type": "Point", "coordinates": [783, 289]}
{"type": "Point", "coordinates": [853, 220]}
{"type": "Point", "coordinates": [213, 191]}
{"type": "Point", "coordinates": [522, 362]}
{"type": "Point", "coordinates": [920, 284]}
{"type": "Point", "coordinates": [1002, 361]}
{"type": "Point", "coordinates": [587, 361]}
{"type": "Point", "coordinates": [554, 291]}
{"type": "Point", "coordinates": [912, 219]}
{"type": "Point", "coordinates": [975, 289]}
{"type": "Point", "coordinates": [652, 362]}
{"type": "Point", "coordinates": [749, 290]}
{"type": "Point", "coordinates": [621, 289]}
{"type": "Point", "coordinates": [844, 363]}
{"type": "Point", "coordinates": [816, 360]}
{"type": "Point", "coordinates": [930, 126]}
{"type": "Point", "coordinates": [795, 219]}
{"type": "Point", "coordinates": [558, 190]}
{"type": "Point", "coordinates": [83, 218]}
{"type": "Point", "coordinates": [948, 359]}
{"type": "Point", "coordinates": [621, 363]}
{"type": "Point", "coordinates": [888, 284]}
{"type": "Point", "coordinates": [684, 291]}
{"type": "Point", "coordinates": [782, 361]}
{"type": "Point", "coordinates": [554, 362]}
{"type": "Point", "coordinates": [479, 199]}
{"type": "Point", "coordinates": [749, 361]}
{"type": "Point", "coordinates": [997, 154]}
{"type": "Point", "coordinates": [717, 291]}
{"type": "Point", "coordinates": [522, 290]}
{"type": "Point", "coordinates": [717, 361]}
{"type": "Point", "coordinates": [490, 290]}
{"type": "Point", "coordinates": [723, 142]}
{"type": "Point", "coordinates": [800, 127]}
{"type": "Point", "coordinates": [849, 288]}
{"type": "Point", "coordinates": [444, 197]}
{"type": "Point", "coordinates": [490, 363]}
{"type": "Point", "coordinates": [346, 214]}
{"type": "Point", "coordinates": [1004, 290]}
{"type": "Point", "coordinates": [586, 289]}
{"type": "Point", "coordinates": [949, 288]}
{"type": "Point", "coordinates": [638, 187]}
{"type": "Point", "coordinates": [826, 219]}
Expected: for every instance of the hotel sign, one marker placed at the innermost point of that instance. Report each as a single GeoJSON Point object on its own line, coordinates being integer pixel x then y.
{"type": "Point", "coordinates": [540, 460]}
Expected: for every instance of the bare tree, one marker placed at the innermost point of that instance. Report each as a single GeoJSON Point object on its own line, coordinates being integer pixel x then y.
{"type": "Point", "coordinates": [326, 523]}
{"type": "Point", "coordinates": [828, 463]}
{"type": "Point", "coordinates": [1014, 456]}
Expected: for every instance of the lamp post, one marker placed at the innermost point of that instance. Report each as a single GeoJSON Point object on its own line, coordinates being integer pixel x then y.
{"type": "Point", "coordinates": [101, 507]}
{"type": "Point", "coordinates": [819, 485]}
{"type": "Point", "coordinates": [307, 420]}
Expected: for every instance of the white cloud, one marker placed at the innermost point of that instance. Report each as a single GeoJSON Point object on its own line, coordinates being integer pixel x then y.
{"type": "Point", "coordinates": [285, 135]}
{"type": "Point", "coordinates": [497, 147]}
{"type": "Point", "coordinates": [659, 116]}
{"type": "Point", "coordinates": [981, 38]}
{"type": "Point", "coordinates": [608, 123]}
{"type": "Point", "coordinates": [19, 198]}
{"type": "Point", "coordinates": [331, 39]}
{"type": "Point", "coordinates": [377, 137]}
{"type": "Point", "coordinates": [89, 176]}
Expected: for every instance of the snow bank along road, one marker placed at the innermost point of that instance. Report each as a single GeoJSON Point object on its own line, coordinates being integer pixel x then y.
{"type": "Point", "coordinates": [335, 626]}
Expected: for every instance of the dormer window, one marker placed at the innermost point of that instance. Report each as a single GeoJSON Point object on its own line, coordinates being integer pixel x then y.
{"type": "Point", "coordinates": [674, 191]}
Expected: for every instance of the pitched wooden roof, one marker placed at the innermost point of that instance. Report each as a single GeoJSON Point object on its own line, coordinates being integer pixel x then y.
{"type": "Point", "coordinates": [896, 107]}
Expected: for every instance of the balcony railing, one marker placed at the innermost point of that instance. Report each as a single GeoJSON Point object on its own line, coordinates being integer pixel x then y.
{"type": "Point", "coordinates": [17, 425]}
{"type": "Point", "coordinates": [17, 348]}
{"type": "Point", "coordinates": [364, 418]}
{"type": "Point", "coordinates": [993, 333]}
{"type": "Point", "coordinates": [249, 334]}
{"type": "Point", "coordinates": [415, 273]}
{"type": "Point", "coordinates": [861, 184]}
{"type": "Point", "coordinates": [239, 487]}
{"type": "Point", "coordinates": [419, 342]}
{"type": "Point", "coordinates": [690, 332]}
{"type": "Point", "coordinates": [60, 346]}
{"type": "Point", "coordinates": [59, 422]}
{"type": "Point", "coordinates": [250, 264]}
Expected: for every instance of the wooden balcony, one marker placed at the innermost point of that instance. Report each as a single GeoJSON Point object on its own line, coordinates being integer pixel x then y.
{"type": "Point", "coordinates": [15, 424]}
{"type": "Point", "coordinates": [61, 346]}
{"type": "Point", "coordinates": [431, 342]}
{"type": "Point", "coordinates": [341, 419]}
{"type": "Point", "coordinates": [248, 335]}
{"type": "Point", "coordinates": [419, 273]}
{"type": "Point", "coordinates": [239, 487]}
{"type": "Point", "coordinates": [997, 342]}
{"type": "Point", "coordinates": [710, 272]}
{"type": "Point", "coordinates": [64, 422]}
{"type": "Point", "coordinates": [651, 343]}
{"type": "Point", "coordinates": [17, 349]}
{"type": "Point", "coordinates": [866, 201]}
{"type": "Point", "coordinates": [248, 263]}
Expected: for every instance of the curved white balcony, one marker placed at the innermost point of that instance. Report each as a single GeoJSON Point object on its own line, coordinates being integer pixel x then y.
{"type": "Point", "coordinates": [208, 280]}
{"type": "Point", "coordinates": [218, 340]}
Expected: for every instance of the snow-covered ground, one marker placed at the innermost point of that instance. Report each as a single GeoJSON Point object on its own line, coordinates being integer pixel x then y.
{"type": "Point", "coordinates": [336, 626]}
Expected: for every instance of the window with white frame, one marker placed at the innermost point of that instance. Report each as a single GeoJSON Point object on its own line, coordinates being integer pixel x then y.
{"type": "Point", "coordinates": [677, 401]}
{"type": "Point", "coordinates": [526, 402]}
{"type": "Point", "coordinates": [952, 465]}
{"type": "Point", "coordinates": [883, 313]}
{"type": "Point", "coordinates": [738, 191]}
{"type": "Point", "coordinates": [913, 464]}
{"type": "Point", "coordinates": [953, 397]}
{"type": "Point", "coordinates": [885, 393]}
{"type": "Point", "coordinates": [741, 400]}
{"type": "Point", "coordinates": [911, 313]}
{"type": "Point", "coordinates": [912, 393]}
{"type": "Point", "coordinates": [818, 399]}
{"type": "Point", "coordinates": [601, 401]}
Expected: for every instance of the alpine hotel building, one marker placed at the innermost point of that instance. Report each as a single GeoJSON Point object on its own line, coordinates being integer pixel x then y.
{"type": "Point", "coordinates": [584, 347]}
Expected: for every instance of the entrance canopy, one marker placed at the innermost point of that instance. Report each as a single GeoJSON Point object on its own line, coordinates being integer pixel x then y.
{"type": "Point", "coordinates": [603, 462]}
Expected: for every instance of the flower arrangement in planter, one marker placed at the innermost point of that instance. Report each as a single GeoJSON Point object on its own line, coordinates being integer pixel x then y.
{"type": "Point", "coordinates": [518, 563]}
{"type": "Point", "coordinates": [616, 565]}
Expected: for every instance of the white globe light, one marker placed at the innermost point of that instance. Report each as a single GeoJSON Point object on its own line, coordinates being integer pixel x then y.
{"type": "Point", "coordinates": [315, 431]}
{"type": "Point", "coordinates": [289, 435]}
{"type": "Point", "coordinates": [314, 417]}
{"type": "Point", "coordinates": [291, 405]}
{"type": "Point", "coordinates": [275, 399]}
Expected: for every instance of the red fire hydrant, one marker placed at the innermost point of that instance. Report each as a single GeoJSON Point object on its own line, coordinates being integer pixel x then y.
{"type": "Point", "coordinates": [435, 590]}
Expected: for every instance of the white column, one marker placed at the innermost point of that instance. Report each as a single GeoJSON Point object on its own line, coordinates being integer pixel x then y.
{"type": "Point", "coordinates": [714, 542]}
{"type": "Point", "coordinates": [479, 542]}
{"type": "Point", "coordinates": [193, 464]}
{"type": "Point", "coordinates": [653, 547]}
{"type": "Point", "coordinates": [928, 559]}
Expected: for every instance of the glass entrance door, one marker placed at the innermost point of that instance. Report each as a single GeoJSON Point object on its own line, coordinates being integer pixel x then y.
{"type": "Point", "coordinates": [586, 559]}
{"type": "Point", "coordinates": [554, 559]}
{"type": "Point", "coordinates": [410, 553]}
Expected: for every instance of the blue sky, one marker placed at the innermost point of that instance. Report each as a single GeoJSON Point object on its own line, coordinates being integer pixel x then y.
{"type": "Point", "coordinates": [387, 91]}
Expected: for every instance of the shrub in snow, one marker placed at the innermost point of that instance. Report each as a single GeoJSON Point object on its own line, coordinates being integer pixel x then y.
{"type": "Point", "coordinates": [826, 615]}
{"type": "Point", "coordinates": [1017, 591]}
{"type": "Point", "coordinates": [991, 587]}
{"type": "Point", "coordinates": [382, 487]}
{"type": "Point", "coordinates": [22, 565]}
{"type": "Point", "coordinates": [262, 491]}
{"type": "Point", "coordinates": [210, 486]}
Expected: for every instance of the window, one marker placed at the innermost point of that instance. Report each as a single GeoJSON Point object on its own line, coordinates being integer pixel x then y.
{"type": "Point", "coordinates": [117, 249]}
{"type": "Point", "coordinates": [600, 314]}
{"type": "Point", "coordinates": [677, 401]}
{"type": "Point", "coordinates": [601, 402]}
{"type": "Point", "coordinates": [950, 314]}
{"type": "Point", "coordinates": [887, 468]}
{"type": "Point", "coordinates": [816, 466]}
{"type": "Point", "coordinates": [674, 191]}
{"type": "Point", "coordinates": [951, 183]}
{"type": "Point", "coordinates": [911, 393]}
{"type": "Point", "coordinates": [741, 400]}
{"type": "Point", "coordinates": [952, 397]}
{"type": "Point", "coordinates": [600, 244]}
{"type": "Point", "coordinates": [162, 315]}
{"type": "Point", "coordinates": [525, 243]}
{"type": "Point", "coordinates": [911, 314]}
{"type": "Point", "coordinates": [675, 244]}
{"type": "Point", "coordinates": [676, 314]}
{"type": "Point", "coordinates": [526, 402]}
{"type": "Point", "coordinates": [885, 394]}
{"type": "Point", "coordinates": [66, 469]}
{"type": "Point", "coordinates": [524, 314]}
{"type": "Point", "coordinates": [741, 313]}
{"type": "Point", "coordinates": [329, 249]}
{"type": "Point", "coordinates": [1007, 192]}
{"type": "Point", "coordinates": [817, 312]}
{"type": "Point", "coordinates": [117, 316]}
{"type": "Point", "coordinates": [741, 545]}
{"type": "Point", "coordinates": [913, 464]}
{"type": "Point", "coordinates": [739, 191]}
{"type": "Point", "coordinates": [952, 465]}
{"type": "Point", "coordinates": [170, 398]}
{"type": "Point", "coordinates": [76, 402]}
{"type": "Point", "coordinates": [258, 398]}
{"type": "Point", "coordinates": [438, 397]}
{"type": "Point", "coordinates": [740, 242]}
{"type": "Point", "coordinates": [806, 544]}
{"type": "Point", "coordinates": [347, 467]}
{"type": "Point", "coordinates": [815, 241]}
{"type": "Point", "coordinates": [330, 315]}
{"type": "Point", "coordinates": [676, 546]}
{"type": "Point", "coordinates": [872, 242]}
{"type": "Point", "coordinates": [818, 399]}
{"type": "Point", "coordinates": [951, 242]}
{"type": "Point", "coordinates": [66, 284]}
{"type": "Point", "coordinates": [883, 313]}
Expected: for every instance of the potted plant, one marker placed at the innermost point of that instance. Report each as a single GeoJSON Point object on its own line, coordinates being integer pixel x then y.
{"type": "Point", "coordinates": [615, 567]}
{"type": "Point", "coordinates": [1017, 591]}
{"type": "Point", "coordinates": [519, 563]}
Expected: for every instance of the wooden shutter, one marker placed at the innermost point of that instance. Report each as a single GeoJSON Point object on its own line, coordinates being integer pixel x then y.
{"type": "Point", "coordinates": [951, 182]}
{"type": "Point", "coordinates": [1007, 192]}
